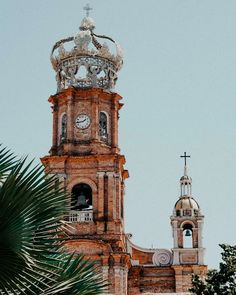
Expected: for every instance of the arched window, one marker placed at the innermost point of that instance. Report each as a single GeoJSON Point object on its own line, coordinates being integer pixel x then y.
{"type": "Point", "coordinates": [178, 213]}
{"type": "Point", "coordinates": [81, 198]}
{"type": "Point", "coordinates": [187, 236]}
{"type": "Point", "coordinates": [103, 133]}
{"type": "Point", "coordinates": [187, 212]}
{"type": "Point", "coordinates": [63, 128]}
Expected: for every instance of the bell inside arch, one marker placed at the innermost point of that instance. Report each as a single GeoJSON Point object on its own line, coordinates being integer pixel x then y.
{"type": "Point", "coordinates": [81, 202]}
{"type": "Point", "coordinates": [188, 233]}
{"type": "Point", "coordinates": [81, 197]}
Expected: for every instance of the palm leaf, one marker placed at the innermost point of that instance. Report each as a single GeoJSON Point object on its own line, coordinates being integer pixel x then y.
{"type": "Point", "coordinates": [32, 261]}
{"type": "Point", "coordinates": [7, 160]}
{"type": "Point", "coordinates": [78, 276]}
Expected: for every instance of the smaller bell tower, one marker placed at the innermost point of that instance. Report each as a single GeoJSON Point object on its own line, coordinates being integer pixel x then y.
{"type": "Point", "coordinates": [187, 223]}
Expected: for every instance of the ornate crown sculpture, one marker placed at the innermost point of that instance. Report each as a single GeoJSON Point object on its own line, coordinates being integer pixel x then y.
{"type": "Point", "coordinates": [87, 63]}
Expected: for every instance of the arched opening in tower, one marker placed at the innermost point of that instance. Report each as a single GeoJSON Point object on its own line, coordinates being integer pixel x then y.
{"type": "Point", "coordinates": [82, 72]}
{"type": "Point", "coordinates": [103, 130]}
{"type": "Point", "coordinates": [187, 236]}
{"type": "Point", "coordinates": [63, 136]}
{"type": "Point", "coordinates": [81, 197]}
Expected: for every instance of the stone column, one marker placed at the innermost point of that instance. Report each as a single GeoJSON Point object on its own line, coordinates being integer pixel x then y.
{"type": "Point", "coordinates": [70, 119]}
{"type": "Point", "coordinates": [62, 178]}
{"type": "Point", "coordinates": [110, 188]}
{"type": "Point", "coordinates": [55, 125]}
{"type": "Point", "coordinates": [180, 237]}
{"type": "Point", "coordinates": [94, 115]}
{"type": "Point", "coordinates": [118, 196]}
{"type": "Point", "coordinates": [100, 202]}
{"type": "Point", "coordinates": [195, 238]}
{"type": "Point", "coordinates": [125, 278]}
{"type": "Point", "coordinates": [201, 256]}
{"type": "Point", "coordinates": [176, 243]}
{"type": "Point", "coordinates": [175, 234]}
{"type": "Point", "coordinates": [122, 192]}
{"type": "Point", "coordinates": [178, 278]}
{"type": "Point", "coordinates": [115, 197]}
{"type": "Point", "coordinates": [105, 270]}
{"type": "Point", "coordinates": [117, 280]}
{"type": "Point", "coordinates": [200, 248]}
{"type": "Point", "coordinates": [176, 257]}
{"type": "Point", "coordinates": [114, 125]}
{"type": "Point", "coordinates": [122, 281]}
{"type": "Point", "coordinates": [199, 222]}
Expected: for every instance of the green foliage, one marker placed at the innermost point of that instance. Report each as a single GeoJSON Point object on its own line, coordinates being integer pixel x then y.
{"type": "Point", "coordinates": [219, 282]}
{"type": "Point", "coordinates": [32, 259]}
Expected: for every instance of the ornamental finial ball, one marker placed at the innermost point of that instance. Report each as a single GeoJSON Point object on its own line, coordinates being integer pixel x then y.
{"type": "Point", "coordinates": [87, 23]}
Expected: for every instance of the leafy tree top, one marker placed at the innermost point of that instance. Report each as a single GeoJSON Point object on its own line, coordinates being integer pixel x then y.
{"type": "Point", "coordinates": [222, 281]}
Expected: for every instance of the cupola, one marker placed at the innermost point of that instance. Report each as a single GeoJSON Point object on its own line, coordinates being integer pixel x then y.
{"type": "Point", "coordinates": [186, 205]}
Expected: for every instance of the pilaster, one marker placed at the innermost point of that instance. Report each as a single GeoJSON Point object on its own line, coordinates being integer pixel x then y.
{"type": "Point", "coordinates": [114, 124]}
{"type": "Point", "coordinates": [175, 234]}
{"type": "Point", "coordinates": [95, 114]}
{"type": "Point", "coordinates": [100, 176]}
{"type": "Point", "coordinates": [70, 117]}
{"type": "Point", "coordinates": [178, 278]}
{"type": "Point", "coordinates": [200, 223]}
{"type": "Point", "coordinates": [110, 189]}
{"type": "Point", "coordinates": [55, 126]}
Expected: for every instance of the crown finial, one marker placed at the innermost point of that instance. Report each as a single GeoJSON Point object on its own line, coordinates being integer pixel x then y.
{"type": "Point", "coordinates": [86, 60]}
{"type": "Point", "coordinates": [87, 8]}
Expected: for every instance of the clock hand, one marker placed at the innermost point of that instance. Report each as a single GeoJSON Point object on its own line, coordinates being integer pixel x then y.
{"type": "Point", "coordinates": [81, 121]}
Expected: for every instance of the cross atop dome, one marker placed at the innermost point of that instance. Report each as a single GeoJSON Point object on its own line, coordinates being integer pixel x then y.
{"type": "Point", "coordinates": [185, 157]}
{"type": "Point", "coordinates": [87, 8]}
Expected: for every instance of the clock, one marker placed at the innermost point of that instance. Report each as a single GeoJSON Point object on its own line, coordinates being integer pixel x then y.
{"type": "Point", "coordinates": [82, 121]}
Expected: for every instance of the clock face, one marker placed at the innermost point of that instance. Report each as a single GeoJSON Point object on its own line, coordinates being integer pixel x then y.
{"type": "Point", "coordinates": [82, 121]}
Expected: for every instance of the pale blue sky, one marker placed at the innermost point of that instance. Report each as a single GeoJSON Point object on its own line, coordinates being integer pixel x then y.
{"type": "Point", "coordinates": [179, 89]}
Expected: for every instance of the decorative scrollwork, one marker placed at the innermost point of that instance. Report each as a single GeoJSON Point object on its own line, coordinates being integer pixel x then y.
{"type": "Point", "coordinates": [162, 257]}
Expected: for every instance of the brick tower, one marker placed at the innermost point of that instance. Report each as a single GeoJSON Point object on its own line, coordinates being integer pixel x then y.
{"type": "Point", "coordinates": [85, 152]}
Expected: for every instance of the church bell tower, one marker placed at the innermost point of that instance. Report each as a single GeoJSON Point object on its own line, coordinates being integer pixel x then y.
{"type": "Point", "coordinates": [85, 152]}
{"type": "Point", "coordinates": [187, 222]}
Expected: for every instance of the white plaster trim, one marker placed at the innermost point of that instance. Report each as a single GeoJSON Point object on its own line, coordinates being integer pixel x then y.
{"type": "Point", "coordinates": [187, 222]}
{"type": "Point", "coordinates": [186, 249]}
{"type": "Point", "coordinates": [129, 243]}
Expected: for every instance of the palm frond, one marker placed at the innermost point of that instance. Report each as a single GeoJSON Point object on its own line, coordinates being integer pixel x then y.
{"type": "Point", "coordinates": [78, 276]}
{"type": "Point", "coordinates": [7, 160]}
{"type": "Point", "coordinates": [32, 261]}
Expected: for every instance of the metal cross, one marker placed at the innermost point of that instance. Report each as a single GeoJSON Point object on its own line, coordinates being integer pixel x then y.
{"type": "Point", "coordinates": [185, 157]}
{"type": "Point", "coordinates": [87, 8]}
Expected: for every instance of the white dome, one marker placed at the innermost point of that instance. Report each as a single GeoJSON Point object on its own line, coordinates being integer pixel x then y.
{"type": "Point", "coordinates": [186, 202]}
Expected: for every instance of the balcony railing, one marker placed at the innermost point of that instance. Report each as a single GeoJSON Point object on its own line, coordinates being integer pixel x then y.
{"type": "Point", "coordinates": [81, 216]}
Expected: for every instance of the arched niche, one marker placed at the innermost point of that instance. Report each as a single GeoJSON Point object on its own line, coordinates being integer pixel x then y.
{"type": "Point", "coordinates": [187, 232]}
{"type": "Point", "coordinates": [103, 126]}
{"type": "Point", "coordinates": [81, 197]}
{"type": "Point", "coordinates": [77, 180]}
{"type": "Point", "coordinates": [81, 72]}
{"type": "Point", "coordinates": [63, 128]}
